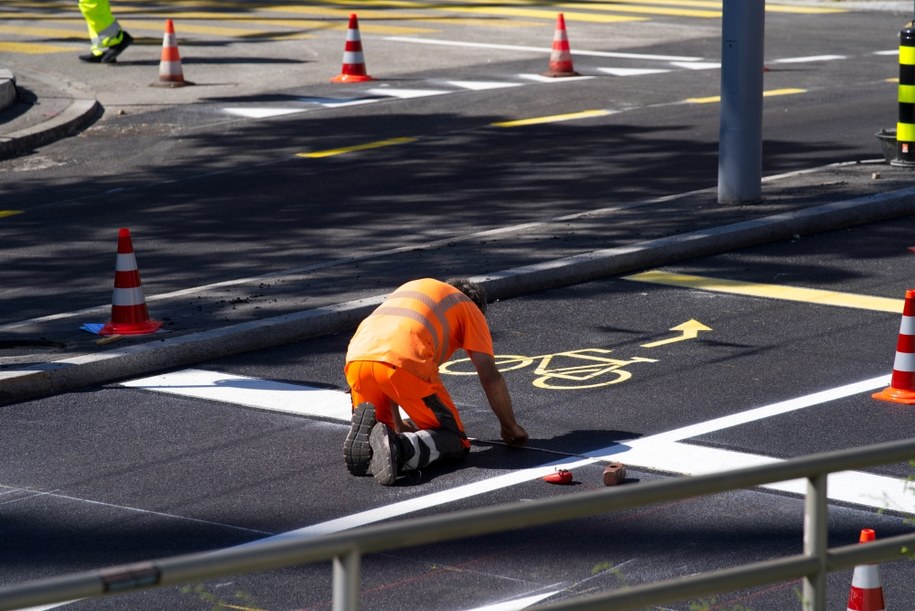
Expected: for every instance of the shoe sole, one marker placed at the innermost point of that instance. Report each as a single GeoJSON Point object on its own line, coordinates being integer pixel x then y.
{"type": "Point", "coordinates": [383, 465]}
{"type": "Point", "coordinates": [110, 56]}
{"type": "Point", "coordinates": [357, 451]}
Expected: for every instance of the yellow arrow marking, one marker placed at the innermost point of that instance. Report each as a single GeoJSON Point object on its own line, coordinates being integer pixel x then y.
{"type": "Point", "coordinates": [688, 330]}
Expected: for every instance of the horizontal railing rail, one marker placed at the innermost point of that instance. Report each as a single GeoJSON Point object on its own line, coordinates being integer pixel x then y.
{"type": "Point", "coordinates": [345, 549]}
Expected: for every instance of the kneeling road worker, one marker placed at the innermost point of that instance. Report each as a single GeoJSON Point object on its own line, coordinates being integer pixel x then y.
{"type": "Point", "coordinates": [392, 362]}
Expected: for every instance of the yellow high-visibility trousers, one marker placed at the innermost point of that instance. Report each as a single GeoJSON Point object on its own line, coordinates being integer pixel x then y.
{"type": "Point", "coordinates": [104, 29]}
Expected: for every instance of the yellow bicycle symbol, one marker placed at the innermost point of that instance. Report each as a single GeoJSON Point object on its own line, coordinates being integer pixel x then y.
{"type": "Point", "coordinates": [592, 369]}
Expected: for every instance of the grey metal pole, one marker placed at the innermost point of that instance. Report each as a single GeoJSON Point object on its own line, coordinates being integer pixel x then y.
{"type": "Point", "coordinates": [816, 538]}
{"type": "Point", "coordinates": [347, 581]}
{"type": "Point", "coordinates": [740, 134]}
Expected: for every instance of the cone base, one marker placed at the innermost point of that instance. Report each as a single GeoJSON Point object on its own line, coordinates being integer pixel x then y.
{"type": "Point", "coordinates": [896, 395]}
{"type": "Point", "coordinates": [351, 78]}
{"type": "Point", "coordinates": [131, 328]}
{"type": "Point", "coordinates": [171, 84]}
{"type": "Point", "coordinates": [560, 73]}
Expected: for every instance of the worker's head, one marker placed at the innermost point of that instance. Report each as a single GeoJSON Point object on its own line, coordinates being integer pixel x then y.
{"type": "Point", "coordinates": [474, 291]}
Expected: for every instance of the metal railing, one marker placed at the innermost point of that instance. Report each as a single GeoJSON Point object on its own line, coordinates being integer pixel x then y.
{"type": "Point", "coordinates": [345, 549]}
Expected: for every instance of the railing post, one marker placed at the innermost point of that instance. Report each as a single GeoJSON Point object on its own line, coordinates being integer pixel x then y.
{"type": "Point", "coordinates": [816, 542]}
{"type": "Point", "coordinates": [347, 578]}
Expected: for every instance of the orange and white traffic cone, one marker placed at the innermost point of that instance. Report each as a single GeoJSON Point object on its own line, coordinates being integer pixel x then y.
{"type": "Point", "coordinates": [866, 591]}
{"type": "Point", "coordinates": [902, 383]}
{"type": "Point", "coordinates": [561, 55]}
{"type": "Point", "coordinates": [353, 61]}
{"type": "Point", "coordinates": [170, 72]}
{"type": "Point", "coordinates": [129, 315]}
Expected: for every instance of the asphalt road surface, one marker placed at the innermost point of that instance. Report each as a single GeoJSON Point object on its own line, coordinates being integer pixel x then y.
{"type": "Point", "coordinates": [249, 447]}
{"type": "Point", "coordinates": [273, 174]}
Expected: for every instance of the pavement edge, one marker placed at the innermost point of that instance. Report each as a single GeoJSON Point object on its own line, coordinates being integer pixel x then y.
{"type": "Point", "coordinates": [112, 366]}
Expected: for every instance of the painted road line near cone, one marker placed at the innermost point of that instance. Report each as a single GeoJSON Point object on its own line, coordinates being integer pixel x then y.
{"type": "Point", "coordinates": [356, 148]}
{"type": "Point", "coordinates": [540, 50]}
{"type": "Point", "coordinates": [766, 94]}
{"type": "Point", "coordinates": [769, 291]}
{"type": "Point", "coordinates": [268, 395]}
{"type": "Point", "coordinates": [182, 350]}
{"type": "Point", "coordinates": [572, 116]}
{"type": "Point", "coordinates": [663, 452]}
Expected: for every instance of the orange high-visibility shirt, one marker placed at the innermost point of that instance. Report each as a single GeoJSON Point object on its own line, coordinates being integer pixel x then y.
{"type": "Point", "coordinates": [419, 326]}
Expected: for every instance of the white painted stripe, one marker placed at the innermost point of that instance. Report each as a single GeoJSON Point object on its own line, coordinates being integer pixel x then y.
{"type": "Point", "coordinates": [776, 409]}
{"type": "Point", "coordinates": [662, 452]}
{"type": "Point", "coordinates": [904, 361]}
{"type": "Point", "coordinates": [518, 603]}
{"type": "Point", "coordinates": [697, 65]}
{"type": "Point", "coordinates": [482, 85]}
{"type": "Point", "coordinates": [262, 113]}
{"type": "Point", "coordinates": [552, 79]}
{"type": "Point", "coordinates": [406, 93]}
{"type": "Point", "coordinates": [812, 58]}
{"type": "Point", "coordinates": [632, 71]}
{"type": "Point", "coordinates": [338, 102]}
{"type": "Point", "coordinates": [484, 45]}
{"type": "Point", "coordinates": [890, 52]}
{"type": "Point", "coordinates": [250, 392]}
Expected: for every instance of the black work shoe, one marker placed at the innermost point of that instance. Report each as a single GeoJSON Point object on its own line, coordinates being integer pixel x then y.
{"type": "Point", "coordinates": [385, 454]}
{"type": "Point", "coordinates": [91, 58]}
{"type": "Point", "coordinates": [110, 55]}
{"type": "Point", "coordinates": [357, 451]}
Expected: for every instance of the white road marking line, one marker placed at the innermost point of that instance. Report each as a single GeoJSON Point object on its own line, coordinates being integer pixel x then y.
{"type": "Point", "coordinates": [250, 392]}
{"type": "Point", "coordinates": [483, 85]}
{"type": "Point", "coordinates": [697, 65]}
{"type": "Point", "coordinates": [546, 50]}
{"type": "Point", "coordinates": [661, 452]}
{"type": "Point", "coordinates": [812, 58]}
{"type": "Point", "coordinates": [553, 80]}
{"type": "Point", "coordinates": [632, 71]}
{"type": "Point", "coordinates": [405, 94]}
{"type": "Point", "coordinates": [262, 113]}
{"type": "Point", "coordinates": [519, 603]}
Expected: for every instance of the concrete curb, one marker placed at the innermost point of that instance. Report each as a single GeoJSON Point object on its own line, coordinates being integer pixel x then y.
{"type": "Point", "coordinates": [7, 88]}
{"type": "Point", "coordinates": [108, 367]}
{"type": "Point", "coordinates": [81, 110]}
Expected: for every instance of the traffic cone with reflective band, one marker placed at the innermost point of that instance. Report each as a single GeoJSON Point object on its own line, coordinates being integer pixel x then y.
{"type": "Point", "coordinates": [353, 61]}
{"type": "Point", "coordinates": [170, 72]}
{"type": "Point", "coordinates": [866, 591]}
{"type": "Point", "coordinates": [561, 55]}
{"type": "Point", "coordinates": [902, 384]}
{"type": "Point", "coordinates": [129, 315]}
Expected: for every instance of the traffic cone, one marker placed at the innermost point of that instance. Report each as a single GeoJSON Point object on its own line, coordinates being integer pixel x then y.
{"type": "Point", "coordinates": [902, 384]}
{"type": "Point", "coordinates": [353, 61]}
{"type": "Point", "coordinates": [170, 73]}
{"type": "Point", "coordinates": [129, 315]}
{"type": "Point", "coordinates": [866, 592]}
{"type": "Point", "coordinates": [561, 55]}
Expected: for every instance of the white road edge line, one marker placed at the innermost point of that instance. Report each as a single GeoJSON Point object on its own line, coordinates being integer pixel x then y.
{"type": "Point", "coordinates": [662, 452]}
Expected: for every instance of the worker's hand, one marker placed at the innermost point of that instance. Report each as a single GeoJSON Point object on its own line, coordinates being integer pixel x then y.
{"type": "Point", "coordinates": [514, 435]}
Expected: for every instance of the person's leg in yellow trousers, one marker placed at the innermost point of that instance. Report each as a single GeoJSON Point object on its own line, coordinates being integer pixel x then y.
{"type": "Point", "coordinates": [108, 40]}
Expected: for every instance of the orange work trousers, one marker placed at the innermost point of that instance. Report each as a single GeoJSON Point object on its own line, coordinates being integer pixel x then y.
{"type": "Point", "coordinates": [427, 404]}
